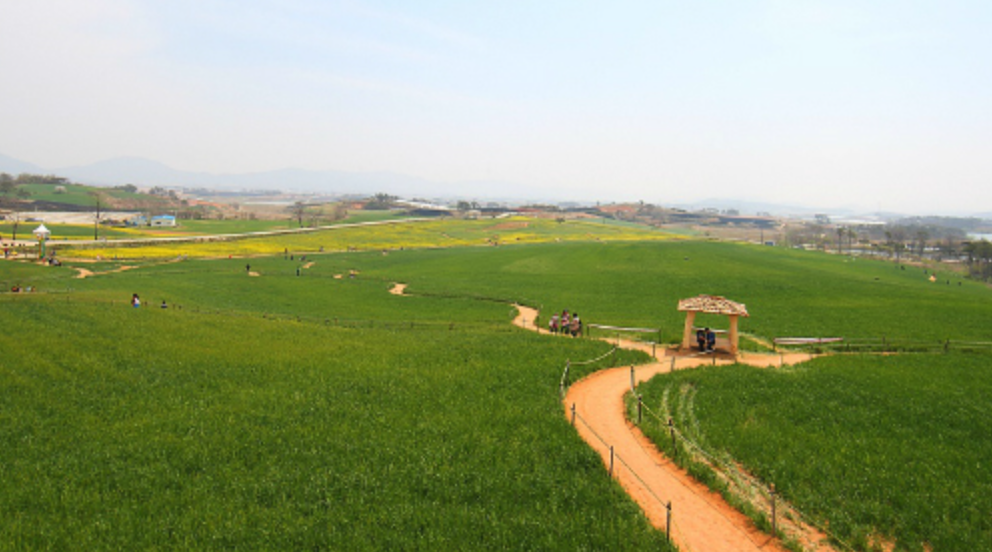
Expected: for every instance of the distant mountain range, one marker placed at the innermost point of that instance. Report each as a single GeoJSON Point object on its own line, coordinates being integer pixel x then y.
{"type": "Point", "coordinates": [145, 172]}
{"type": "Point", "coordinates": [15, 167]}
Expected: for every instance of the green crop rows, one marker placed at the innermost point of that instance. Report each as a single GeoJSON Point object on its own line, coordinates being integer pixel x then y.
{"type": "Point", "coordinates": [279, 404]}
{"type": "Point", "coordinates": [891, 447]}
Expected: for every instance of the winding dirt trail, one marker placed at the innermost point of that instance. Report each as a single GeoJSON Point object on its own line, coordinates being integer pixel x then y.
{"type": "Point", "coordinates": [702, 521]}
{"type": "Point", "coordinates": [87, 273]}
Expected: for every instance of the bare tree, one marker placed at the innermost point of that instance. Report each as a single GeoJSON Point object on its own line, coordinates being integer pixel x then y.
{"type": "Point", "coordinates": [299, 210]}
{"type": "Point", "coordinates": [96, 217]}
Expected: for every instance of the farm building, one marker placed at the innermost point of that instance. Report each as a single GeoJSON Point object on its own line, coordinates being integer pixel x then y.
{"type": "Point", "coordinates": [142, 220]}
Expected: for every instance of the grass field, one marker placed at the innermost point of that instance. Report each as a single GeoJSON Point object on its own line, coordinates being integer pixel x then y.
{"type": "Point", "coordinates": [318, 411]}
{"type": "Point", "coordinates": [78, 194]}
{"type": "Point", "coordinates": [417, 235]}
{"type": "Point", "coordinates": [880, 449]}
{"type": "Point", "coordinates": [150, 428]}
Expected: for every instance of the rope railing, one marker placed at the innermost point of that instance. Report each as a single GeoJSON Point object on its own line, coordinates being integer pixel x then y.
{"type": "Point", "coordinates": [878, 344]}
{"type": "Point", "coordinates": [575, 418]}
{"type": "Point", "coordinates": [730, 469]}
{"type": "Point", "coordinates": [614, 456]}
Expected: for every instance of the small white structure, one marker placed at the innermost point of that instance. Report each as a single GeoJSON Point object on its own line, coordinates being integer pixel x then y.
{"type": "Point", "coordinates": [164, 220]}
{"type": "Point", "coordinates": [41, 233]}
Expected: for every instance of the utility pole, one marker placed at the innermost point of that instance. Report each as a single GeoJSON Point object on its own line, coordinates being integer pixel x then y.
{"type": "Point", "coordinates": [96, 220]}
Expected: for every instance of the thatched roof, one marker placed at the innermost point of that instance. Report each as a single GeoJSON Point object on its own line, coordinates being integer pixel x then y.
{"type": "Point", "coordinates": [712, 304]}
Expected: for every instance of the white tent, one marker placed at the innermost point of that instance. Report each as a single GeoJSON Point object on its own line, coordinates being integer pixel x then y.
{"type": "Point", "coordinates": [41, 232]}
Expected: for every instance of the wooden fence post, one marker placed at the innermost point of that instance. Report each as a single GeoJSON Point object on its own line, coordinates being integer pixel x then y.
{"type": "Point", "coordinates": [668, 521]}
{"type": "Point", "coordinates": [671, 429]}
{"type": "Point", "coordinates": [631, 379]}
{"type": "Point", "coordinates": [672, 369]}
{"type": "Point", "coordinates": [640, 402]}
{"type": "Point", "coordinates": [573, 414]}
{"type": "Point", "coordinates": [774, 524]}
{"type": "Point", "coordinates": [611, 461]}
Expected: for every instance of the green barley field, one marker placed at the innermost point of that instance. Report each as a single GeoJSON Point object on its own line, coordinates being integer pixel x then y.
{"type": "Point", "coordinates": [285, 403]}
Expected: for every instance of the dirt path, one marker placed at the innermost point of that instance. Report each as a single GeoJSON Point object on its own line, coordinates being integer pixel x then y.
{"type": "Point", "coordinates": [86, 273]}
{"type": "Point", "coordinates": [702, 521]}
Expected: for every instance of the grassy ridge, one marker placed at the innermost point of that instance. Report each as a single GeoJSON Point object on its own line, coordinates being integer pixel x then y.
{"type": "Point", "coordinates": [788, 293]}
{"type": "Point", "coordinates": [147, 428]}
{"type": "Point", "coordinates": [890, 446]}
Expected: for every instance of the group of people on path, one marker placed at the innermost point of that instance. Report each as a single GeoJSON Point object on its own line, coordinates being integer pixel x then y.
{"type": "Point", "coordinates": [565, 323]}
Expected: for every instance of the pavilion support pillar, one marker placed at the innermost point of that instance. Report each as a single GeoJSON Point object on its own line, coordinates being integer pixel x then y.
{"type": "Point", "coordinates": [733, 334]}
{"type": "Point", "coordinates": [688, 336]}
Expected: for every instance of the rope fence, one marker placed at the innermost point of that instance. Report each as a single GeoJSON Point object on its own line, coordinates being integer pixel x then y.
{"type": "Point", "coordinates": [616, 460]}
{"type": "Point", "coordinates": [883, 344]}
{"type": "Point", "coordinates": [762, 498]}
{"type": "Point", "coordinates": [671, 525]}
{"type": "Point", "coordinates": [686, 450]}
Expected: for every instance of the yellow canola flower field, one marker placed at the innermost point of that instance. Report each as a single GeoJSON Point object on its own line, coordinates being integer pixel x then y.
{"type": "Point", "coordinates": [393, 235]}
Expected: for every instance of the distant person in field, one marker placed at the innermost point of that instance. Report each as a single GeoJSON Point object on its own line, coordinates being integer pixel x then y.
{"type": "Point", "coordinates": [563, 321]}
{"type": "Point", "coordinates": [710, 340]}
{"type": "Point", "coordinates": [247, 268]}
{"type": "Point", "coordinates": [553, 324]}
{"type": "Point", "coordinates": [135, 301]}
{"type": "Point", "coordinates": [701, 340]}
{"type": "Point", "coordinates": [164, 306]}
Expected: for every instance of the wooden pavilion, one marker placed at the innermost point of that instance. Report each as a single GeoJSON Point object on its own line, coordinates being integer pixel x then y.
{"type": "Point", "coordinates": [710, 304]}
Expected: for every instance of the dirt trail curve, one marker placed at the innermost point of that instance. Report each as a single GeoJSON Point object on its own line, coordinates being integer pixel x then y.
{"type": "Point", "coordinates": [702, 519]}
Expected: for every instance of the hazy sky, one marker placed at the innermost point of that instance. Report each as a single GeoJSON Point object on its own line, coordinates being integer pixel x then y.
{"type": "Point", "coordinates": [883, 104]}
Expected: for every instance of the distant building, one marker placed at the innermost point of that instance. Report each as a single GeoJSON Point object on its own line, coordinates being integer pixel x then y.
{"type": "Point", "coordinates": [142, 220]}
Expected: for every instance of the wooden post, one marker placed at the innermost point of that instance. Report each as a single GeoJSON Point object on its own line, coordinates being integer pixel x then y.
{"type": "Point", "coordinates": [671, 429]}
{"type": "Point", "coordinates": [690, 318]}
{"type": "Point", "coordinates": [631, 379]}
{"type": "Point", "coordinates": [653, 345]}
{"type": "Point", "coordinates": [734, 337]}
{"type": "Point", "coordinates": [672, 369]}
{"type": "Point", "coordinates": [573, 414]}
{"type": "Point", "coordinates": [640, 402]}
{"type": "Point", "coordinates": [611, 461]}
{"type": "Point", "coordinates": [774, 524]}
{"type": "Point", "coordinates": [668, 521]}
